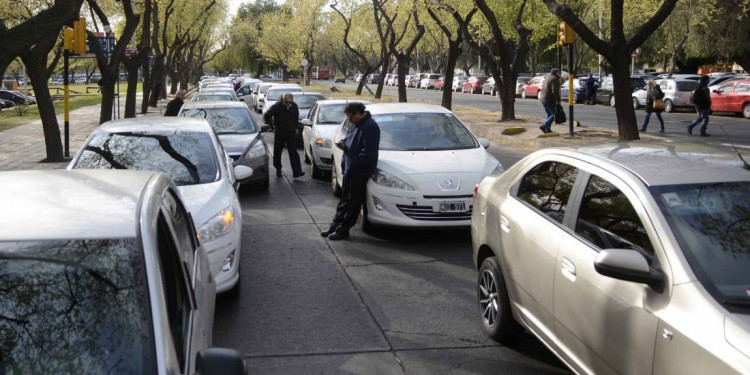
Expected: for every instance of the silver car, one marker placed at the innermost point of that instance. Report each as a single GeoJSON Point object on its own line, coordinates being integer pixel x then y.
{"type": "Point", "coordinates": [102, 273]}
{"type": "Point", "coordinates": [274, 94]}
{"type": "Point", "coordinates": [239, 135]}
{"type": "Point", "coordinates": [622, 258]}
{"type": "Point", "coordinates": [676, 91]}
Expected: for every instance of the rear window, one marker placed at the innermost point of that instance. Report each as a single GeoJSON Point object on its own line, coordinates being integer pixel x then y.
{"type": "Point", "coordinates": [276, 93]}
{"type": "Point", "coordinates": [435, 76]}
{"type": "Point", "coordinates": [686, 85]}
{"type": "Point", "coordinates": [224, 120]}
{"type": "Point", "coordinates": [188, 158]}
{"type": "Point", "coordinates": [307, 101]}
{"type": "Point", "coordinates": [75, 307]}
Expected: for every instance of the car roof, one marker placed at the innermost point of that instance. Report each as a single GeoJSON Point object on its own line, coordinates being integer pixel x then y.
{"type": "Point", "coordinates": [666, 163]}
{"type": "Point", "coordinates": [208, 104]}
{"type": "Point", "coordinates": [382, 108]}
{"type": "Point", "coordinates": [341, 101]}
{"type": "Point", "coordinates": [71, 204]}
{"type": "Point", "coordinates": [165, 123]}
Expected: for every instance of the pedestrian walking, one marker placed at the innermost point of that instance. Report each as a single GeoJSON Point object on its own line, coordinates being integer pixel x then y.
{"type": "Point", "coordinates": [284, 118]}
{"type": "Point", "coordinates": [173, 107]}
{"type": "Point", "coordinates": [701, 98]}
{"type": "Point", "coordinates": [653, 93]}
{"type": "Point", "coordinates": [357, 165]}
{"type": "Point", "coordinates": [550, 98]}
{"type": "Point", "coordinates": [590, 89]}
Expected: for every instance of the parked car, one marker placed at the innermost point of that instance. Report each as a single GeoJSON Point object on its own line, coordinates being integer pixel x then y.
{"type": "Point", "coordinates": [520, 82]}
{"type": "Point", "coordinates": [428, 82]}
{"type": "Point", "coordinates": [579, 90]}
{"type": "Point", "coordinates": [275, 94]}
{"type": "Point", "coordinates": [717, 82]}
{"type": "Point", "coordinates": [319, 127]}
{"type": "Point", "coordinates": [439, 84]}
{"type": "Point", "coordinates": [7, 103]}
{"type": "Point", "coordinates": [610, 255]}
{"type": "Point", "coordinates": [458, 82]}
{"type": "Point", "coordinates": [428, 164]}
{"type": "Point", "coordinates": [392, 80]}
{"type": "Point", "coordinates": [358, 77]}
{"type": "Point", "coordinates": [245, 91]}
{"type": "Point", "coordinates": [676, 93]}
{"type": "Point", "coordinates": [533, 87]}
{"type": "Point", "coordinates": [239, 135]}
{"type": "Point", "coordinates": [372, 78]}
{"type": "Point", "coordinates": [732, 96]}
{"type": "Point", "coordinates": [414, 80]}
{"type": "Point", "coordinates": [110, 279]}
{"type": "Point", "coordinates": [489, 87]}
{"type": "Point", "coordinates": [259, 95]}
{"type": "Point", "coordinates": [221, 90]}
{"type": "Point", "coordinates": [339, 79]}
{"type": "Point", "coordinates": [605, 93]}
{"type": "Point", "coordinates": [474, 84]}
{"type": "Point", "coordinates": [17, 97]}
{"type": "Point", "coordinates": [212, 97]}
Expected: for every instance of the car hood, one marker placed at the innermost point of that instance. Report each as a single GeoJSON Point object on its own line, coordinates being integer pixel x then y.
{"type": "Point", "coordinates": [326, 131]}
{"type": "Point", "coordinates": [429, 172]}
{"type": "Point", "coordinates": [238, 143]}
{"type": "Point", "coordinates": [205, 200]}
{"type": "Point", "coordinates": [737, 332]}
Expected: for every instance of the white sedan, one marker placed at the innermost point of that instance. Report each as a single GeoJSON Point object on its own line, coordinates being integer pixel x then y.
{"type": "Point", "coordinates": [320, 126]}
{"type": "Point", "coordinates": [428, 166]}
{"type": "Point", "coordinates": [189, 152]}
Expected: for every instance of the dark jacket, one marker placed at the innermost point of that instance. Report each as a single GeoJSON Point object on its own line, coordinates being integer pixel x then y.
{"type": "Point", "coordinates": [173, 107]}
{"type": "Point", "coordinates": [551, 89]}
{"type": "Point", "coordinates": [590, 85]}
{"type": "Point", "coordinates": [702, 96]}
{"type": "Point", "coordinates": [361, 151]}
{"type": "Point", "coordinates": [651, 95]}
{"type": "Point", "coordinates": [282, 119]}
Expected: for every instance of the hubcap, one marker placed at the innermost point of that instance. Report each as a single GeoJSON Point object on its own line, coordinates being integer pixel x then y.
{"type": "Point", "coordinates": [488, 299]}
{"type": "Point", "coordinates": [746, 111]}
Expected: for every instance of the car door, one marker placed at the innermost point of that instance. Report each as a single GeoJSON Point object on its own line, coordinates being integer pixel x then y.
{"type": "Point", "coordinates": [740, 96]}
{"type": "Point", "coordinates": [244, 94]}
{"type": "Point", "coordinates": [307, 131]}
{"type": "Point", "coordinates": [607, 325]}
{"type": "Point", "coordinates": [530, 227]}
{"type": "Point", "coordinates": [721, 99]}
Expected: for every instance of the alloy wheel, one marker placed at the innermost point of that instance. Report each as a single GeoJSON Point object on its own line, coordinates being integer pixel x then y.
{"type": "Point", "coordinates": [746, 110]}
{"type": "Point", "coordinates": [488, 298]}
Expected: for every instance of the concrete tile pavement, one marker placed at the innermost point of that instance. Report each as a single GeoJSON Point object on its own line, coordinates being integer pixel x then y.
{"type": "Point", "coordinates": [23, 147]}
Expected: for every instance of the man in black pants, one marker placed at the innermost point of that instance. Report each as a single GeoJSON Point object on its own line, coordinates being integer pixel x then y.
{"type": "Point", "coordinates": [358, 164]}
{"type": "Point", "coordinates": [284, 117]}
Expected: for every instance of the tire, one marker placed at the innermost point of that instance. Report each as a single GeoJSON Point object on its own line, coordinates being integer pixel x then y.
{"type": "Point", "coordinates": [262, 185]}
{"type": "Point", "coordinates": [236, 290]}
{"type": "Point", "coordinates": [317, 173]}
{"type": "Point", "coordinates": [307, 157]}
{"type": "Point", "coordinates": [612, 101]}
{"type": "Point", "coordinates": [494, 304]}
{"type": "Point", "coordinates": [636, 104]}
{"type": "Point", "coordinates": [483, 93]}
{"type": "Point", "coordinates": [746, 110]}
{"type": "Point", "coordinates": [463, 90]}
{"type": "Point", "coordinates": [335, 187]}
{"type": "Point", "coordinates": [367, 226]}
{"type": "Point", "coordinates": [668, 106]}
{"type": "Point", "coordinates": [523, 94]}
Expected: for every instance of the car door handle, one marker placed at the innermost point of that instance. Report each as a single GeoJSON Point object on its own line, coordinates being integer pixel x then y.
{"type": "Point", "coordinates": [504, 224]}
{"type": "Point", "coordinates": [568, 268]}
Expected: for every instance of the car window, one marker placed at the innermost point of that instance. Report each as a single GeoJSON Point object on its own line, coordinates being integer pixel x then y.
{"type": "Point", "coordinates": [188, 158]}
{"type": "Point", "coordinates": [547, 187]}
{"type": "Point", "coordinates": [742, 87]}
{"type": "Point", "coordinates": [225, 120]}
{"type": "Point", "coordinates": [76, 306]}
{"type": "Point", "coordinates": [663, 85]}
{"type": "Point", "coordinates": [176, 291]}
{"type": "Point", "coordinates": [726, 88]}
{"type": "Point", "coordinates": [423, 132]}
{"type": "Point", "coordinates": [276, 93]}
{"type": "Point", "coordinates": [686, 85]}
{"type": "Point", "coordinates": [607, 219]}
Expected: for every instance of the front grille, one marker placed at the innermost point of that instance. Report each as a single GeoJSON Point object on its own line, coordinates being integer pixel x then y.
{"type": "Point", "coordinates": [426, 213]}
{"type": "Point", "coordinates": [327, 160]}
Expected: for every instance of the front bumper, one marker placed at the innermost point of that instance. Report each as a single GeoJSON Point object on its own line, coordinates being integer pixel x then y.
{"type": "Point", "coordinates": [398, 208]}
{"type": "Point", "coordinates": [218, 251]}
{"type": "Point", "coordinates": [323, 157]}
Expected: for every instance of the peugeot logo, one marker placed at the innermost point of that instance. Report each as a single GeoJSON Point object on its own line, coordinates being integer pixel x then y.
{"type": "Point", "coordinates": [449, 184]}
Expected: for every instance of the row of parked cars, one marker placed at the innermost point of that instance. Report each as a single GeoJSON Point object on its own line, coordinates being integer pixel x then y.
{"type": "Point", "coordinates": [12, 98]}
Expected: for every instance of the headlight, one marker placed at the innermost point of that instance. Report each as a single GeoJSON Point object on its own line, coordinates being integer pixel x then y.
{"type": "Point", "coordinates": [256, 151]}
{"type": "Point", "coordinates": [498, 170]}
{"type": "Point", "coordinates": [217, 226]}
{"type": "Point", "coordinates": [383, 179]}
{"type": "Point", "coordinates": [323, 142]}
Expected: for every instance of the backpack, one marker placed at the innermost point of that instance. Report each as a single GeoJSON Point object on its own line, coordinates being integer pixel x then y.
{"type": "Point", "coordinates": [658, 94]}
{"type": "Point", "coordinates": [697, 97]}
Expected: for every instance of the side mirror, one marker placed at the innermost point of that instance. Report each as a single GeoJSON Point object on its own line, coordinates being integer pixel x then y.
{"type": "Point", "coordinates": [265, 128]}
{"type": "Point", "coordinates": [628, 265]}
{"type": "Point", "coordinates": [242, 100]}
{"type": "Point", "coordinates": [717, 91]}
{"type": "Point", "coordinates": [242, 172]}
{"type": "Point", "coordinates": [305, 122]}
{"type": "Point", "coordinates": [219, 361]}
{"type": "Point", "coordinates": [484, 142]}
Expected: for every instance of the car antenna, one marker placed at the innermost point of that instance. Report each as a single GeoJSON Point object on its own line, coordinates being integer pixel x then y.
{"type": "Point", "coordinates": [744, 163]}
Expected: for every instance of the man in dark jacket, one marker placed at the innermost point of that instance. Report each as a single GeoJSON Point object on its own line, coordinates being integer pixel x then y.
{"type": "Point", "coordinates": [173, 107]}
{"type": "Point", "coordinates": [702, 100]}
{"type": "Point", "coordinates": [284, 118]}
{"type": "Point", "coordinates": [550, 98]}
{"type": "Point", "coordinates": [590, 89]}
{"type": "Point", "coordinates": [357, 165]}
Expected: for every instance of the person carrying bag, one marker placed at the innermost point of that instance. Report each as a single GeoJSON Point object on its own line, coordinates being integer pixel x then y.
{"type": "Point", "coordinates": [654, 104]}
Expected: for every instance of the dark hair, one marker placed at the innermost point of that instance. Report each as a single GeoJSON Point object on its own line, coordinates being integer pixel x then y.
{"type": "Point", "coordinates": [705, 79]}
{"type": "Point", "coordinates": [354, 108]}
{"type": "Point", "coordinates": [555, 72]}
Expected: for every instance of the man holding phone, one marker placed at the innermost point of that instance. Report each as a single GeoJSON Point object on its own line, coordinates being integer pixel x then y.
{"type": "Point", "coordinates": [357, 165]}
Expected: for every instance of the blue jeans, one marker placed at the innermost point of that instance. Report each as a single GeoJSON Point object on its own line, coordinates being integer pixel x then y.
{"type": "Point", "coordinates": [549, 109]}
{"type": "Point", "coordinates": [648, 116]}
{"type": "Point", "coordinates": [702, 116]}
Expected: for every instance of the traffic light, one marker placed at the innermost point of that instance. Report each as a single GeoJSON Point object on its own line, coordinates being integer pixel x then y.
{"type": "Point", "coordinates": [69, 39]}
{"type": "Point", "coordinates": [79, 27]}
{"type": "Point", "coordinates": [565, 34]}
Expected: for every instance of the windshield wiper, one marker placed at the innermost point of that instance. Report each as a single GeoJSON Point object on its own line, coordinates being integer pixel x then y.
{"type": "Point", "coordinates": [738, 302]}
{"type": "Point", "coordinates": [233, 133]}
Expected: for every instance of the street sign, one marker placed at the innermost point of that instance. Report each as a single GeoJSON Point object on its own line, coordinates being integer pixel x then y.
{"type": "Point", "coordinates": [103, 44]}
{"type": "Point", "coordinates": [636, 53]}
{"type": "Point", "coordinates": [304, 62]}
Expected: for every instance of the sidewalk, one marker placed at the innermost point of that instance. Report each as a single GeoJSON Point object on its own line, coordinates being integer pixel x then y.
{"type": "Point", "coordinates": [23, 147]}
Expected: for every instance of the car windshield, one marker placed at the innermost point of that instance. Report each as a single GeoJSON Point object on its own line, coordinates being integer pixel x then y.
{"type": "Point", "coordinates": [212, 97]}
{"type": "Point", "coordinates": [264, 89]}
{"type": "Point", "coordinates": [307, 101]}
{"type": "Point", "coordinates": [188, 158]}
{"type": "Point", "coordinates": [276, 93]}
{"type": "Point", "coordinates": [686, 85]}
{"type": "Point", "coordinates": [75, 307]}
{"type": "Point", "coordinates": [423, 132]}
{"type": "Point", "coordinates": [331, 114]}
{"type": "Point", "coordinates": [712, 224]}
{"type": "Point", "coordinates": [224, 120]}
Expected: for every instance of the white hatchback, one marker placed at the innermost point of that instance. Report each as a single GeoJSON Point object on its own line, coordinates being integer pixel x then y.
{"type": "Point", "coordinates": [189, 152]}
{"type": "Point", "coordinates": [428, 165]}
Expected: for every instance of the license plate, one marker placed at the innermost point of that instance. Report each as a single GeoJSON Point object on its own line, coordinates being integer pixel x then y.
{"type": "Point", "coordinates": [454, 206]}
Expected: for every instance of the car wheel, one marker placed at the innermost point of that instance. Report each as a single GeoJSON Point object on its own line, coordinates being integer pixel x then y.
{"type": "Point", "coordinates": [262, 185]}
{"type": "Point", "coordinates": [367, 225]}
{"type": "Point", "coordinates": [236, 290]}
{"type": "Point", "coordinates": [494, 304]}
{"type": "Point", "coordinates": [307, 157]}
{"type": "Point", "coordinates": [635, 103]}
{"type": "Point", "coordinates": [317, 173]}
{"type": "Point", "coordinates": [523, 94]}
{"type": "Point", "coordinates": [612, 101]}
{"type": "Point", "coordinates": [746, 110]}
{"type": "Point", "coordinates": [483, 93]}
{"type": "Point", "coordinates": [335, 187]}
{"type": "Point", "coordinates": [668, 106]}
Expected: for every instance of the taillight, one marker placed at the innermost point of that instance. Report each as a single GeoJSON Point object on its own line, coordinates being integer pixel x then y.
{"type": "Point", "coordinates": [476, 190]}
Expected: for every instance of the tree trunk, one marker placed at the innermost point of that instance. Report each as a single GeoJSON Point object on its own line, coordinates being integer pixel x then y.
{"type": "Point", "coordinates": [454, 50]}
{"type": "Point", "coordinates": [36, 69]}
{"type": "Point", "coordinates": [284, 74]}
{"type": "Point", "coordinates": [132, 70]}
{"type": "Point", "coordinates": [508, 100]}
{"type": "Point", "coordinates": [403, 69]}
{"type": "Point", "coordinates": [381, 80]}
{"type": "Point", "coordinates": [626, 121]}
{"type": "Point", "coordinates": [146, 87]}
{"type": "Point", "coordinates": [108, 94]}
{"type": "Point", "coordinates": [175, 79]}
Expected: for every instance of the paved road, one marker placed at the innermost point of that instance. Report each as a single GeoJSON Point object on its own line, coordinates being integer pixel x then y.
{"type": "Point", "coordinates": [724, 129]}
{"type": "Point", "coordinates": [399, 302]}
